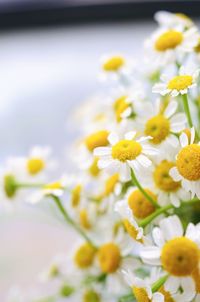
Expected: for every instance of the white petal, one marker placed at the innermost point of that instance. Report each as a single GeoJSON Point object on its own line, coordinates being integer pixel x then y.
{"type": "Point", "coordinates": [175, 174]}
{"type": "Point", "coordinates": [102, 164]}
{"type": "Point", "coordinates": [151, 255]}
{"type": "Point", "coordinates": [113, 138]}
{"type": "Point", "coordinates": [172, 284]}
{"type": "Point", "coordinates": [192, 135]}
{"type": "Point", "coordinates": [175, 200]}
{"type": "Point", "coordinates": [159, 88]}
{"type": "Point", "coordinates": [158, 297]}
{"type": "Point", "coordinates": [158, 237]}
{"type": "Point", "coordinates": [171, 227]}
{"type": "Point", "coordinates": [171, 109]}
{"type": "Point", "coordinates": [177, 122]}
{"type": "Point", "coordinates": [130, 135]}
{"type": "Point", "coordinates": [102, 151]}
{"type": "Point", "coordinates": [144, 161]}
{"type": "Point", "coordinates": [183, 140]}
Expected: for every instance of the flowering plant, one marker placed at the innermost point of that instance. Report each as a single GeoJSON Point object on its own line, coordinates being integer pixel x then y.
{"type": "Point", "coordinates": [134, 198]}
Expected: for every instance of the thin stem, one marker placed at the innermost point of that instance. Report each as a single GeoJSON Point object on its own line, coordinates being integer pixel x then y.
{"type": "Point", "coordinates": [151, 217]}
{"type": "Point", "coordinates": [137, 184]}
{"type": "Point", "coordinates": [127, 298]}
{"type": "Point", "coordinates": [157, 285]}
{"type": "Point", "coordinates": [29, 185]}
{"type": "Point", "coordinates": [187, 109]}
{"type": "Point", "coordinates": [69, 219]}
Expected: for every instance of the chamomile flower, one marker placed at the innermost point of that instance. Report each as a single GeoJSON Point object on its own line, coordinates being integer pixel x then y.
{"type": "Point", "coordinates": [187, 169]}
{"type": "Point", "coordinates": [39, 160]}
{"type": "Point", "coordinates": [170, 20]}
{"type": "Point", "coordinates": [142, 289]}
{"type": "Point", "coordinates": [166, 45]}
{"type": "Point", "coordinates": [165, 187]}
{"type": "Point", "coordinates": [56, 188]}
{"type": "Point", "coordinates": [113, 256]}
{"type": "Point", "coordinates": [130, 224]}
{"type": "Point", "coordinates": [177, 253]}
{"type": "Point", "coordinates": [179, 84]}
{"type": "Point", "coordinates": [125, 154]}
{"type": "Point", "coordinates": [161, 126]}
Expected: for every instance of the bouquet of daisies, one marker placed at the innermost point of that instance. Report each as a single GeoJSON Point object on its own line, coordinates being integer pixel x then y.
{"type": "Point", "coordinates": [134, 196]}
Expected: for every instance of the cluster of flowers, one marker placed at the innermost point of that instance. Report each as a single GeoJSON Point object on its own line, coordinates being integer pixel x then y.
{"type": "Point", "coordinates": [134, 199]}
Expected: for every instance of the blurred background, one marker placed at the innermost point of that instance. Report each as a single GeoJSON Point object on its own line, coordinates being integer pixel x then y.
{"type": "Point", "coordinates": [49, 59]}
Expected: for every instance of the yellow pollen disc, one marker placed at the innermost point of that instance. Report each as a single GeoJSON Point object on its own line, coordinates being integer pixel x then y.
{"type": "Point", "coordinates": [114, 63]}
{"type": "Point", "coordinates": [180, 82]}
{"type": "Point", "coordinates": [197, 47]}
{"type": "Point", "coordinates": [91, 296]}
{"type": "Point", "coordinates": [131, 230]}
{"type": "Point", "coordinates": [188, 162]}
{"type": "Point", "coordinates": [85, 255]}
{"type": "Point", "coordinates": [162, 178]}
{"type": "Point", "coordinates": [126, 150]}
{"type": "Point", "coordinates": [97, 139]}
{"type": "Point", "coordinates": [180, 256]}
{"type": "Point", "coordinates": [168, 40]}
{"type": "Point", "coordinates": [84, 219]}
{"type": "Point", "coordinates": [110, 184]}
{"type": "Point", "coordinates": [120, 106]}
{"type": "Point", "coordinates": [158, 127]}
{"type": "Point", "coordinates": [140, 294]}
{"type": "Point", "coordinates": [140, 206]}
{"type": "Point", "coordinates": [76, 196]}
{"type": "Point", "coordinates": [35, 165]}
{"type": "Point", "coordinates": [166, 294]}
{"type": "Point", "coordinates": [109, 258]}
{"type": "Point", "coordinates": [54, 186]}
{"type": "Point", "coordinates": [94, 169]}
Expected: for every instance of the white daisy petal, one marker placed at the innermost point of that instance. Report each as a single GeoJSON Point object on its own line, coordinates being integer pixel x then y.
{"type": "Point", "coordinates": [171, 227]}
{"type": "Point", "coordinates": [151, 255]}
{"type": "Point", "coordinates": [171, 109]}
{"type": "Point", "coordinates": [130, 135]}
{"type": "Point", "coordinates": [113, 138]}
{"type": "Point", "coordinates": [175, 174]}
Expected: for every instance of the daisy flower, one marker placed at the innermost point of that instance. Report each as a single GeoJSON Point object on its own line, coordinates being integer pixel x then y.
{"type": "Point", "coordinates": [125, 154]}
{"type": "Point", "coordinates": [161, 126]}
{"type": "Point", "coordinates": [130, 224]}
{"type": "Point", "coordinates": [187, 169]}
{"type": "Point", "coordinates": [141, 288]}
{"type": "Point", "coordinates": [170, 20]}
{"type": "Point", "coordinates": [165, 45]}
{"type": "Point", "coordinates": [179, 84]}
{"type": "Point", "coordinates": [112, 257]}
{"type": "Point", "coordinates": [177, 253]}
{"type": "Point", "coordinates": [39, 160]}
{"type": "Point", "coordinates": [164, 186]}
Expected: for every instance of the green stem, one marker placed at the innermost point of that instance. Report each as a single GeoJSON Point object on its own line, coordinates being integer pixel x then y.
{"type": "Point", "coordinates": [187, 109]}
{"type": "Point", "coordinates": [127, 298]}
{"type": "Point", "coordinates": [157, 285]}
{"type": "Point", "coordinates": [29, 185]}
{"type": "Point", "coordinates": [151, 217]}
{"type": "Point", "coordinates": [69, 219]}
{"type": "Point", "coordinates": [137, 184]}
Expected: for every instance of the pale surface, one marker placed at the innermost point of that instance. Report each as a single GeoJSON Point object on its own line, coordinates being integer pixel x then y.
{"type": "Point", "coordinates": [44, 75]}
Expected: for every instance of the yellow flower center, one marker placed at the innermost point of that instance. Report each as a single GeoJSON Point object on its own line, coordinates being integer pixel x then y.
{"type": "Point", "coordinates": [94, 169]}
{"type": "Point", "coordinates": [140, 206]}
{"type": "Point", "coordinates": [10, 185]}
{"type": "Point", "coordinates": [91, 296]}
{"type": "Point", "coordinates": [110, 184]}
{"type": "Point", "coordinates": [84, 256]}
{"type": "Point", "coordinates": [76, 196]}
{"type": "Point", "coordinates": [97, 139]}
{"type": "Point", "coordinates": [131, 230]}
{"type": "Point", "coordinates": [54, 186]}
{"type": "Point", "coordinates": [84, 219]}
{"type": "Point", "coordinates": [140, 294]}
{"type": "Point", "coordinates": [162, 178]}
{"type": "Point", "coordinates": [168, 40]}
{"type": "Point", "coordinates": [35, 165]}
{"type": "Point", "coordinates": [180, 256]}
{"type": "Point", "coordinates": [126, 150]}
{"type": "Point", "coordinates": [158, 127]}
{"type": "Point", "coordinates": [114, 63]}
{"type": "Point", "coordinates": [180, 82]}
{"type": "Point", "coordinates": [197, 47]}
{"type": "Point", "coordinates": [166, 294]}
{"type": "Point", "coordinates": [109, 258]}
{"type": "Point", "coordinates": [120, 106]}
{"type": "Point", "coordinates": [188, 162]}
